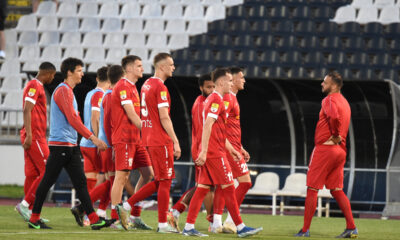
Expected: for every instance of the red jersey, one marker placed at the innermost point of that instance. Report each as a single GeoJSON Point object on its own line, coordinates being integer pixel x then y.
{"type": "Point", "coordinates": [154, 95]}
{"type": "Point", "coordinates": [197, 125]}
{"type": "Point", "coordinates": [214, 107]}
{"type": "Point", "coordinates": [334, 119]}
{"type": "Point", "coordinates": [106, 102]}
{"type": "Point", "coordinates": [34, 93]}
{"type": "Point", "coordinates": [123, 130]}
{"type": "Point", "coordinates": [233, 130]}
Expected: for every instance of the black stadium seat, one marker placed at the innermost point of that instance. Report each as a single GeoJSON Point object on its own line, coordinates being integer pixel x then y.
{"type": "Point", "coordinates": [349, 29]}
{"type": "Point", "coordinates": [305, 27]}
{"type": "Point", "coordinates": [301, 12]}
{"type": "Point", "coordinates": [327, 28]}
{"type": "Point", "coordinates": [372, 29]}
{"type": "Point", "coordinates": [353, 43]}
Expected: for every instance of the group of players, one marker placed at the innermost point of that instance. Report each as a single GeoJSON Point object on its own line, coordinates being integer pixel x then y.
{"type": "Point", "coordinates": [124, 131]}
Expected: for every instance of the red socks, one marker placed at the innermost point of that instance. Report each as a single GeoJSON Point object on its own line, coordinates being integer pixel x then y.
{"type": "Point", "coordinates": [195, 204]}
{"type": "Point", "coordinates": [241, 191]}
{"type": "Point", "coordinates": [219, 200]}
{"type": "Point", "coordinates": [136, 211]}
{"type": "Point", "coordinates": [91, 182]}
{"type": "Point", "coordinates": [100, 190]}
{"type": "Point", "coordinates": [34, 217]}
{"type": "Point", "coordinates": [143, 193]}
{"type": "Point", "coordinates": [163, 200]}
{"type": "Point", "coordinates": [231, 204]}
{"type": "Point", "coordinates": [309, 208]}
{"type": "Point", "coordinates": [344, 205]}
{"type": "Point", "coordinates": [28, 183]}
{"type": "Point", "coordinates": [93, 218]}
{"type": "Point", "coordinates": [114, 214]}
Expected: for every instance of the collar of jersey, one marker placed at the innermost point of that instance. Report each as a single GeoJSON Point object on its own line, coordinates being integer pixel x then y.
{"type": "Point", "coordinates": [218, 94]}
{"type": "Point", "coordinates": [234, 94]}
{"type": "Point", "coordinates": [128, 81]}
{"type": "Point", "coordinates": [100, 89]}
{"type": "Point", "coordinates": [158, 79]}
{"type": "Point", "coordinates": [38, 81]}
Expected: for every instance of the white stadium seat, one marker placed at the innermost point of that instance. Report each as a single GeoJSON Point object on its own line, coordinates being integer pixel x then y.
{"type": "Point", "coordinates": [109, 9]}
{"type": "Point", "coordinates": [384, 3]}
{"type": "Point", "coordinates": [151, 10]}
{"type": "Point", "coordinates": [46, 8]}
{"type": "Point", "coordinates": [51, 54]}
{"type": "Point", "coordinates": [11, 83]}
{"type": "Point", "coordinates": [93, 39]}
{"type": "Point", "coordinates": [114, 40]}
{"type": "Point", "coordinates": [148, 1]}
{"type": "Point", "coordinates": [176, 26]}
{"type": "Point", "coordinates": [94, 66]}
{"type": "Point", "coordinates": [94, 54]}
{"type": "Point", "coordinates": [73, 51]}
{"type": "Point", "coordinates": [90, 25]}
{"type": "Point", "coordinates": [157, 40]}
{"type": "Point", "coordinates": [29, 53]}
{"type": "Point", "coordinates": [71, 39]}
{"type": "Point", "coordinates": [178, 41]}
{"type": "Point", "coordinates": [69, 24]}
{"type": "Point", "coordinates": [295, 186]}
{"type": "Point", "coordinates": [114, 55]}
{"type": "Point", "coordinates": [173, 11]}
{"type": "Point", "coordinates": [28, 38]}
{"type": "Point", "coordinates": [367, 14]}
{"type": "Point", "coordinates": [167, 2]}
{"type": "Point", "coordinates": [230, 3]}
{"type": "Point", "coordinates": [11, 50]}
{"type": "Point", "coordinates": [27, 23]}
{"type": "Point", "coordinates": [10, 35]}
{"type": "Point", "coordinates": [133, 25]}
{"type": "Point", "coordinates": [48, 23]}
{"type": "Point", "coordinates": [49, 38]}
{"type": "Point", "coordinates": [389, 15]}
{"type": "Point", "coordinates": [154, 26]}
{"type": "Point", "coordinates": [10, 67]}
{"type": "Point", "coordinates": [141, 52]}
{"type": "Point", "coordinates": [194, 11]}
{"type": "Point", "coordinates": [130, 10]}
{"type": "Point", "coordinates": [266, 184]}
{"type": "Point", "coordinates": [215, 12]}
{"type": "Point", "coordinates": [211, 2]}
{"type": "Point", "coordinates": [13, 100]}
{"type": "Point", "coordinates": [31, 66]}
{"type": "Point", "coordinates": [196, 27]}
{"type": "Point", "coordinates": [67, 9]}
{"type": "Point", "coordinates": [190, 2]}
{"type": "Point", "coordinates": [88, 9]}
{"type": "Point", "coordinates": [111, 25]}
{"type": "Point", "coordinates": [361, 3]}
{"type": "Point", "coordinates": [135, 40]}
{"type": "Point", "coordinates": [345, 14]}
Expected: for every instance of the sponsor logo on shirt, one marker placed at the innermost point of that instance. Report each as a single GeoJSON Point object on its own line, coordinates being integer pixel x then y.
{"type": "Point", "coordinates": [214, 107]}
{"type": "Point", "coordinates": [136, 104]}
{"type": "Point", "coordinates": [31, 92]}
{"type": "Point", "coordinates": [238, 117]}
{"type": "Point", "coordinates": [226, 103]}
{"type": "Point", "coordinates": [123, 94]}
{"type": "Point", "coordinates": [163, 95]}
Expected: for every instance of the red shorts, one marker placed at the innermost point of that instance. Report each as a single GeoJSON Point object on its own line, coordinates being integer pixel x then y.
{"type": "Point", "coordinates": [91, 159]}
{"type": "Point", "coordinates": [326, 167]}
{"type": "Point", "coordinates": [239, 168]}
{"type": "Point", "coordinates": [35, 157]}
{"type": "Point", "coordinates": [162, 159]}
{"type": "Point", "coordinates": [197, 170]}
{"type": "Point", "coordinates": [130, 156]}
{"type": "Point", "coordinates": [216, 171]}
{"type": "Point", "coordinates": [107, 162]}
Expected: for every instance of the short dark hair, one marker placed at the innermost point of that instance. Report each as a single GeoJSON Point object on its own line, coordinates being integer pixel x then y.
{"type": "Point", "coordinates": [69, 64]}
{"type": "Point", "coordinates": [203, 78]}
{"type": "Point", "coordinates": [47, 66]}
{"type": "Point", "coordinates": [219, 72]}
{"type": "Point", "coordinates": [160, 56]}
{"type": "Point", "coordinates": [336, 78]}
{"type": "Point", "coordinates": [236, 70]}
{"type": "Point", "coordinates": [114, 73]}
{"type": "Point", "coordinates": [129, 59]}
{"type": "Point", "coordinates": [102, 74]}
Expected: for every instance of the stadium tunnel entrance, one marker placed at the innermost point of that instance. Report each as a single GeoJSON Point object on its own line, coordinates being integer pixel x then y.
{"type": "Point", "coordinates": [278, 119]}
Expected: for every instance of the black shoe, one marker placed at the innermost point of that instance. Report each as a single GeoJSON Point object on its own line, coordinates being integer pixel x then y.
{"type": "Point", "coordinates": [349, 233]}
{"type": "Point", "coordinates": [102, 223]}
{"type": "Point", "coordinates": [38, 225]}
{"type": "Point", "coordinates": [78, 214]}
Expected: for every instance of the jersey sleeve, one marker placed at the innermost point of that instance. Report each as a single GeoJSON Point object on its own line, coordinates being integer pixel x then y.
{"type": "Point", "coordinates": [330, 109]}
{"type": "Point", "coordinates": [107, 117]}
{"type": "Point", "coordinates": [64, 100]}
{"type": "Point", "coordinates": [213, 108]}
{"type": "Point", "coordinates": [33, 92]}
{"type": "Point", "coordinates": [125, 95]}
{"type": "Point", "coordinates": [96, 101]}
{"type": "Point", "coordinates": [162, 96]}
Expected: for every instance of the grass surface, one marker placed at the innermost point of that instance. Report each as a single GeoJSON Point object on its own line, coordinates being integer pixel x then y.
{"type": "Point", "coordinates": [275, 227]}
{"type": "Point", "coordinates": [11, 191]}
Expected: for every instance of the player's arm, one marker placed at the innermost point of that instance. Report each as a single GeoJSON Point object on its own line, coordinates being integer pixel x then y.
{"type": "Point", "coordinates": [64, 101]}
{"type": "Point", "coordinates": [166, 123]}
{"type": "Point", "coordinates": [205, 138]}
{"type": "Point", "coordinates": [95, 120]}
{"type": "Point", "coordinates": [232, 151]}
{"type": "Point", "coordinates": [27, 123]}
{"type": "Point", "coordinates": [246, 154]}
{"type": "Point", "coordinates": [131, 114]}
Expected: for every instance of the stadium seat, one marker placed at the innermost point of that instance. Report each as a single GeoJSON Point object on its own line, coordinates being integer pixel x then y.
{"type": "Point", "coordinates": [133, 25]}
{"type": "Point", "coordinates": [175, 26]}
{"type": "Point", "coordinates": [166, 2]}
{"type": "Point", "coordinates": [94, 66]}
{"type": "Point", "coordinates": [358, 59]}
{"type": "Point", "coordinates": [13, 100]}
{"type": "Point", "coordinates": [114, 55]}
{"type": "Point", "coordinates": [194, 11]}
{"type": "Point", "coordinates": [270, 57]}
{"type": "Point", "coordinates": [196, 27]}
{"type": "Point", "coordinates": [349, 29]}
{"type": "Point", "coordinates": [28, 38]}
{"type": "Point", "coordinates": [111, 25]}
{"type": "Point", "coordinates": [49, 38]}
{"type": "Point", "coordinates": [266, 41]}
{"type": "Point", "coordinates": [230, 3]}
{"type": "Point", "coordinates": [237, 12]}
{"type": "Point", "coordinates": [67, 9]}
{"type": "Point", "coordinates": [11, 49]}
{"type": "Point", "coordinates": [301, 12]}
{"type": "Point", "coordinates": [354, 43]}
{"type": "Point", "coordinates": [336, 59]}
{"type": "Point", "coordinates": [376, 44]}
{"type": "Point", "coordinates": [11, 83]}
{"type": "Point", "coordinates": [73, 51]}
{"type": "Point", "coordinates": [46, 8]}
{"type": "Point", "coordinates": [51, 54]}
{"type": "Point", "coordinates": [10, 67]}
{"type": "Point", "coordinates": [327, 28]}
{"type": "Point", "coordinates": [384, 3]}
{"type": "Point", "coordinates": [154, 26]}
{"type": "Point", "coordinates": [261, 27]}
{"type": "Point", "coordinates": [361, 3]}
{"type": "Point", "coordinates": [30, 66]}
{"type": "Point", "coordinates": [141, 52]}
{"type": "Point", "coordinates": [345, 14]}
{"type": "Point", "coordinates": [27, 23]}
{"type": "Point", "coordinates": [305, 27]}
{"type": "Point", "coordinates": [285, 43]}
{"type": "Point", "coordinates": [211, 2]}
{"type": "Point", "coordinates": [114, 40]}
{"type": "Point", "coordinates": [309, 43]}
{"type": "Point", "coordinates": [71, 39]}
{"type": "Point", "coordinates": [130, 10]}
{"type": "Point", "coordinates": [157, 40]}
{"type": "Point", "coordinates": [290, 58]}
{"type": "Point", "coordinates": [156, 51]}
{"type": "Point", "coordinates": [252, 12]}
{"type": "Point", "coordinates": [178, 41]}
{"type": "Point", "coordinates": [88, 9]}
{"type": "Point", "coordinates": [48, 23]}
{"type": "Point", "coordinates": [266, 184]}
{"type": "Point", "coordinates": [295, 186]}
{"type": "Point", "coordinates": [94, 54]}
{"type": "Point", "coordinates": [190, 2]}
{"type": "Point", "coordinates": [279, 12]}
{"type": "Point", "coordinates": [151, 10]}
{"type": "Point", "coordinates": [173, 11]}
{"type": "Point", "coordinates": [148, 1]}
{"type": "Point", "coordinates": [322, 13]}
{"type": "Point", "coordinates": [69, 24]}
{"type": "Point", "coordinates": [90, 24]}
{"type": "Point", "coordinates": [241, 41]}
{"type": "Point", "coordinates": [199, 41]}
{"type": "Point", "coordinates": [109, 9]}
{"type": "Point", "coordinates": [297, 73]}
{"type": "Point", "coordinates": [92, 39]}
{"type": "Point", "coordinates": [389, 14]}
{"type": "Point", "coordinates": [383, 60]}
{"type": "Point", "coordinates": [283, 27]}
{"type": "Point", "coordinates": [392, 30]}
{"type": "Point", "coordinates": [372, 29]}
{"type": "Point", "coordinates": [313, 59]}
{"type": "Point", "coordinates": [135, 40]}
{"type": "Point", "coordinates": [367, 14]}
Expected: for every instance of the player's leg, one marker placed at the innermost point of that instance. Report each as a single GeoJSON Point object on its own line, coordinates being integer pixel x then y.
{"type": "Point", "coordinates": [218, 208]}
{"type": "Point", "coordinates": [89, 166]}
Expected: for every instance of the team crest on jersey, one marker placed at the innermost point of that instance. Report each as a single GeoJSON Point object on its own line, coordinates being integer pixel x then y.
{"type": "Point", "coordinates": [214, 107]}
{"type": "Point", "coordinates": [31, 92]}
{"type": "Point", "coordinates": [163, 95]}
{"type": "Point", "coordinates": [136, 104]}
{"type": "Point", "coordinates": [100, 101]}
{"type": "Point", "coordinates": [123, 94]}
{"type": "Point", "coordinates": [226, 103]}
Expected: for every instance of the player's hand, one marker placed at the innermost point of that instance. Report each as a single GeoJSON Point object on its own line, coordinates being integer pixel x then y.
{"type": "Point", "coordinates": [235, 154]}
{"type": "Point", "coordinates": [336, 139]}
{"type": "Point", "coordinates": [101, 145]}
{"type": "Point", "coordinates": [201, 159]}
{"type": "Point", "coordinates": [27, 143]}
{"type": "Point", "coordinates": [246, 155]}
{"type": "Point", "coordinates": [177, 150]}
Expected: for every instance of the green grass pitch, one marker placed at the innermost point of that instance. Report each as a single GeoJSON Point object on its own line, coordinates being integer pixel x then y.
{"type": "Point", "coordinates": [275, 227]}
